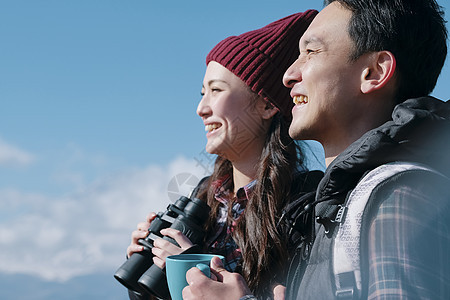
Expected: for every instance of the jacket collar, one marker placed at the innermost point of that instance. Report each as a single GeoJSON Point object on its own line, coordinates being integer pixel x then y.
{"type": "Point", "coordinates": [418, 131]}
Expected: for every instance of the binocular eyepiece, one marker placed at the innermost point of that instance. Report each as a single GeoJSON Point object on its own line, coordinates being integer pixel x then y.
{"type": "Point", "coordinates": [139, 273]}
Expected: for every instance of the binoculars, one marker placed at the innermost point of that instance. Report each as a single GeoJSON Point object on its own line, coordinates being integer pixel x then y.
{"type": "Point", "coordinates": [139, 273]}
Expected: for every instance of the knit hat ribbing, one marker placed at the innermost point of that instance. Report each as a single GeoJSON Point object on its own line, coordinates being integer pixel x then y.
{"type": "Point", "coordinates": [260, 57]}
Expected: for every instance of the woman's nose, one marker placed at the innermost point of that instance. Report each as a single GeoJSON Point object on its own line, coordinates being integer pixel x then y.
{"type": "Point", "coordinates": [203, 108]}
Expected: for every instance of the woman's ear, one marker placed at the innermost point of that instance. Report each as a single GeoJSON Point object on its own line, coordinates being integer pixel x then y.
{"type": "Point", "coordinates": [269, 110]}
{"type": "Point", "coordinates": [379, 71]}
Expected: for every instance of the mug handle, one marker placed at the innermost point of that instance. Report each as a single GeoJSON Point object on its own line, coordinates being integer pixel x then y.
{"type": "Point", "coordinates": [205, 269]}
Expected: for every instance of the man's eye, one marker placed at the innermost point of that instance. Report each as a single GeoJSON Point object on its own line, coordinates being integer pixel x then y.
{"type": "Point", "coordinates": [306, 52]}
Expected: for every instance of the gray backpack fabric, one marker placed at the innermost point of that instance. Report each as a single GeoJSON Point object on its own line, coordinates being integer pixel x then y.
{"type": "Point", "coordinates": [346, 249]}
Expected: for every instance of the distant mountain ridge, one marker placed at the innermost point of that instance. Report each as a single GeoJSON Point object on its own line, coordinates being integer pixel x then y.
{"type": "Point", "coordinates": [95, 286]}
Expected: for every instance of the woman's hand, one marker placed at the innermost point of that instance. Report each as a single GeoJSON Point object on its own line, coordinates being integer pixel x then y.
{"type": "Point", "coordinates": [163, 248]}
{"type": "Point", "coordinates": [140, 233]}
{"type": "Point", "coordinates": [223, 286]}
{"type": "Point", "coordinates": [279, 292]}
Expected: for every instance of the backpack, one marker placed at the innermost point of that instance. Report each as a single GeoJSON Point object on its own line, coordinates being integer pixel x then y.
{"type": "Point", "coordinates": [346, 249]}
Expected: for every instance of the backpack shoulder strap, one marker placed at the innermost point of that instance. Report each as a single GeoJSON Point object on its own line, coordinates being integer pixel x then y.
{"type": "Point", "coordinates": [346, 248]}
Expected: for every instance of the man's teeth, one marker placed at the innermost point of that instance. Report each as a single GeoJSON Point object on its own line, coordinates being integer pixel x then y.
{"type": "Point", "coordinates": [300, 99]}
{"type": "Point", "coordinates": [211, 127]}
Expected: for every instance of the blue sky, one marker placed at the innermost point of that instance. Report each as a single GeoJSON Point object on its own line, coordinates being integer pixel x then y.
{"type": "Point", "coordinates": [97, 118]}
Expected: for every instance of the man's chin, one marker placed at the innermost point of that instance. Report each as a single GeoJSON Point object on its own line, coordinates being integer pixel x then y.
{"type": "Point", "coordinates": [294, 133]}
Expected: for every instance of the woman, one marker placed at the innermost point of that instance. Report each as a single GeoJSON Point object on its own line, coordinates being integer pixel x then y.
{"type": "Point", "coordinates": [258, 170]}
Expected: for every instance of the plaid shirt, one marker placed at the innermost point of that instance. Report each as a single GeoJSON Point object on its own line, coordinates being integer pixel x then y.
{"type": "Point", "coordinates": [410, 258]}
{"type": "Point", "coordinates": [231, 208]}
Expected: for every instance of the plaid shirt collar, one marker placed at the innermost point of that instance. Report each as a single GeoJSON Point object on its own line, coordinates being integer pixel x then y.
{"type": "Point", "coordinates": [223, 191]}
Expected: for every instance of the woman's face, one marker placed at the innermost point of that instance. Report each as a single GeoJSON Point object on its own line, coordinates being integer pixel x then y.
{"type": "Point", "coordinates": [235, 118]}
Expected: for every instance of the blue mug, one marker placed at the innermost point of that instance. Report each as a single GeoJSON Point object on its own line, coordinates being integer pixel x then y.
{"type": "Point", "coordinates": [178, 265]}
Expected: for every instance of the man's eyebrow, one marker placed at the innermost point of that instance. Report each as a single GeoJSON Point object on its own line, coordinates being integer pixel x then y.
{"type": "Point", "coordinates": [312, 40]}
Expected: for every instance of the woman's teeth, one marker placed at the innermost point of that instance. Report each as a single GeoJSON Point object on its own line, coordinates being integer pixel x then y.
{"type": "Point", "coordinates": [300, 99]}
{"type": "Point", "coordinates": [211, 127]}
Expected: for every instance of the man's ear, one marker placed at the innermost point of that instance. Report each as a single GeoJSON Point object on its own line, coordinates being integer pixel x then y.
{"type": "Point", "coordinates": [269, 110]}
{"type": "Point", "coordinates": [379, 71]}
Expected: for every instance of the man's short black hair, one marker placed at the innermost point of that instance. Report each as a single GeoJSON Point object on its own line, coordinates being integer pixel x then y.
{"type": "Point", "coordinates": [412, 30]}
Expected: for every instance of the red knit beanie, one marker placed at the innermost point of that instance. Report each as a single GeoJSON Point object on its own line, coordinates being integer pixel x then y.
{"type": "Point", "coordinates": [260, 57]}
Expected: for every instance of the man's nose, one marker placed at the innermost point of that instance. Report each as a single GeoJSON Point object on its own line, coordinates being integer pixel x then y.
{"type": "Point", "coordinates": [292, 75]}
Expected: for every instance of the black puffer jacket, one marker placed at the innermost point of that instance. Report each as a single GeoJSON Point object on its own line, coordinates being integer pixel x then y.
{"type": "Point", "coordinates": [418, 132]}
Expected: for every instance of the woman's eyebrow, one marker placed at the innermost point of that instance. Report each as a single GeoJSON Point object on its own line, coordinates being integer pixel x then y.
{"type": "Point", "coordinates": [216, 80]}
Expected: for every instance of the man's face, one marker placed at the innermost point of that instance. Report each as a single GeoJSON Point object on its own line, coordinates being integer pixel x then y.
{"type": "Point", "coordinates": [325, 83]}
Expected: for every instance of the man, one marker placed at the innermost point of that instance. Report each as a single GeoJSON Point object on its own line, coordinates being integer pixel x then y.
{"type": "Point", "coordinates": [360, 86]}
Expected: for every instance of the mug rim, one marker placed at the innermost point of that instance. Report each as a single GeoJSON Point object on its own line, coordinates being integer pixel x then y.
{"type": "Point", "coordinates": [193, 257]}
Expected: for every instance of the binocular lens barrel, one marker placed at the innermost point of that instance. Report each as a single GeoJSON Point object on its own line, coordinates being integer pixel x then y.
{"type": "Point", "coordinates": [138, 273]}
{"type": "Point", "coordinates": [130, 271]}
{"type": "Point", "coordinates": [153, 281]}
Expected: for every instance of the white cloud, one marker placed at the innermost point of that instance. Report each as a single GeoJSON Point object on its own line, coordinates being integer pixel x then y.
{"type": "Point", "coordinates": [57, 238]}
{"type": "Point", "coordinates": [12, 155]}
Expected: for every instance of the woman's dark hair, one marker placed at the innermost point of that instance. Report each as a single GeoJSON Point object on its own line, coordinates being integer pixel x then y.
{"type": "Point", "coordinates": [262, 246]}
{"type": "Point", "coordinates": [413, 30]}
